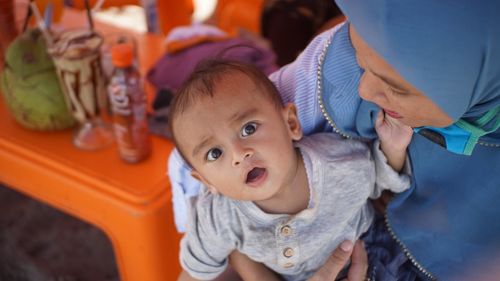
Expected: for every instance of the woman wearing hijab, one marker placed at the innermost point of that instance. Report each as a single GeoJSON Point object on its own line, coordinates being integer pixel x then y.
{"type": "Point", "coordinates": [434, 65]}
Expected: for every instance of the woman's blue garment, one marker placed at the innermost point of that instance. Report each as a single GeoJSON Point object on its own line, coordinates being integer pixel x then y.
{"type": "Point", "coordinates": [450, 50]}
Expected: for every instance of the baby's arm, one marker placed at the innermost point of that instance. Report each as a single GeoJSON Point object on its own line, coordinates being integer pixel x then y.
{"type": "Point", "coordinates": [208, 241]}
{"type": "Point", "coordinates": [394, 139]}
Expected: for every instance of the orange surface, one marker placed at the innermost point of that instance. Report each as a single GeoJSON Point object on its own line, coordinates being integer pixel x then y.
{"type": "Point", "coordinates": [171, 13]}
{"type": "Point", "coordinates": [80, 4]}
{"type": "Point", "coordinates": [130, 203]}
{"type": "Point", "coordinates": [231, 15]}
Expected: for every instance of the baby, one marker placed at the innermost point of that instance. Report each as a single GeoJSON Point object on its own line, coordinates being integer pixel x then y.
{"type": "Point", "coordinates": [282, 199]}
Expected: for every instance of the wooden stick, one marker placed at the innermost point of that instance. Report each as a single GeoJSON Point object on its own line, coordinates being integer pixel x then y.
{"type": "Point", "coordinates": [41, 23]}
{"type": "Point", "coordinates": [89, 15]}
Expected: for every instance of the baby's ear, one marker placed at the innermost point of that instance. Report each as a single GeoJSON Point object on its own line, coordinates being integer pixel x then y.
{"type": "Point", "coordinates": [292, 121]}
{"type": "Point", "coordinates": [199, 177]}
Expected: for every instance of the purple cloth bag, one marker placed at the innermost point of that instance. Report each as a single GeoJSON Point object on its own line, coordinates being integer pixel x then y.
{"type": "Point", "coordinates": [172, 69]}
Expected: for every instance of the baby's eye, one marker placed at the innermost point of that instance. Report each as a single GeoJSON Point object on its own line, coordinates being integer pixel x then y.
{"type": "Point", "coordinates": [213, 154]}
{"type": "Point", "coordinates": [248, 129]}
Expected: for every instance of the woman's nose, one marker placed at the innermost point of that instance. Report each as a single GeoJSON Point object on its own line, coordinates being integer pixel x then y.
{"type": "Point", "coordinates": [371, 88]}
{"type": "Point", "coordinates": [241, 153]}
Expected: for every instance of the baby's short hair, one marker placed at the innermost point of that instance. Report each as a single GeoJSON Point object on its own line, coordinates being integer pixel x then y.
{"type": "Point", "coordinates": [206, 76]}
{"type": "Point", "coordinates": [204, 79]}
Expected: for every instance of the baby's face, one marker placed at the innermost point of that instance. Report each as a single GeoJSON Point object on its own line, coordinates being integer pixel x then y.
{"type": "Point", "coordinates": [238, 142]}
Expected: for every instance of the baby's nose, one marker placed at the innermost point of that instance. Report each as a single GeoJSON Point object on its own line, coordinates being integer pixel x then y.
{"type": "Point", "coordinates": [241, 156]}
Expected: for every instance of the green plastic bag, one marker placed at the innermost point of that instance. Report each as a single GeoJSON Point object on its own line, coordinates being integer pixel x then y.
{"type": "Point", "coordinates": [30, 85]}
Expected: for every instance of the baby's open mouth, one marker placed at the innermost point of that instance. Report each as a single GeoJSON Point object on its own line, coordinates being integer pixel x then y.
{"type": "Point", "coordinates": [255, 175]}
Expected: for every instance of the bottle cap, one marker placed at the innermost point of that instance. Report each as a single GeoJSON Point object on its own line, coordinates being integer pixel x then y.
{"type": "Point", "coordinates": [122, 55]}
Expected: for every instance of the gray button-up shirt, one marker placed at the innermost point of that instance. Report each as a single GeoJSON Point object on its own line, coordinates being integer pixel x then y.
{"type": "Point", "coordinates": [342, 175]}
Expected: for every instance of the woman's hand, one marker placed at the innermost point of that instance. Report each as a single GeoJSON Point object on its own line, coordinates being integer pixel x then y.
{"type": "Point", "coordinates": [339, 258]}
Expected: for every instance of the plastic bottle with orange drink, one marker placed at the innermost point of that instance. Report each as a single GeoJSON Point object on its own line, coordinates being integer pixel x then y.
{"type": "Point", "coordinates": [128, 103]}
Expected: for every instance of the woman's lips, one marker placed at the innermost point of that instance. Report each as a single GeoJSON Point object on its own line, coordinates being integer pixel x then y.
{"type": "Point", "coordinates": [393, 114]}
{"type": "Point", "coordinates": [256, 177]}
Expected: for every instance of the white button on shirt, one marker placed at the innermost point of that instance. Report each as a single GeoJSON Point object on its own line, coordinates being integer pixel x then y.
{"type": "Point", "coordinates": [288, 252]}
{"type": "Point", "coordinates": [286, 230]}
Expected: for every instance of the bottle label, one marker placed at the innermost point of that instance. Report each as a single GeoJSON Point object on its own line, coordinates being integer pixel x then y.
{"type": "Point", "coordinates": [120, 101]}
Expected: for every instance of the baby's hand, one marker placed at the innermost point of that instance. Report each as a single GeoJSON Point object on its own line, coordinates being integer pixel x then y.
{"type": "Point", "coordinates": [392, 133]}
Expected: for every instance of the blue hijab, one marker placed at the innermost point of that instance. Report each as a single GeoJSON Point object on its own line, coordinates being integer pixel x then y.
{"type": "Point", "coordinates": [449, 50]}
{"type": "Point", "coordinates": [448, 220]}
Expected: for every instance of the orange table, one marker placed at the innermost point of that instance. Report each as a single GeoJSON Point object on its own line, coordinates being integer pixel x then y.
{"type": "Point", "coordinates": [130, 203]}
